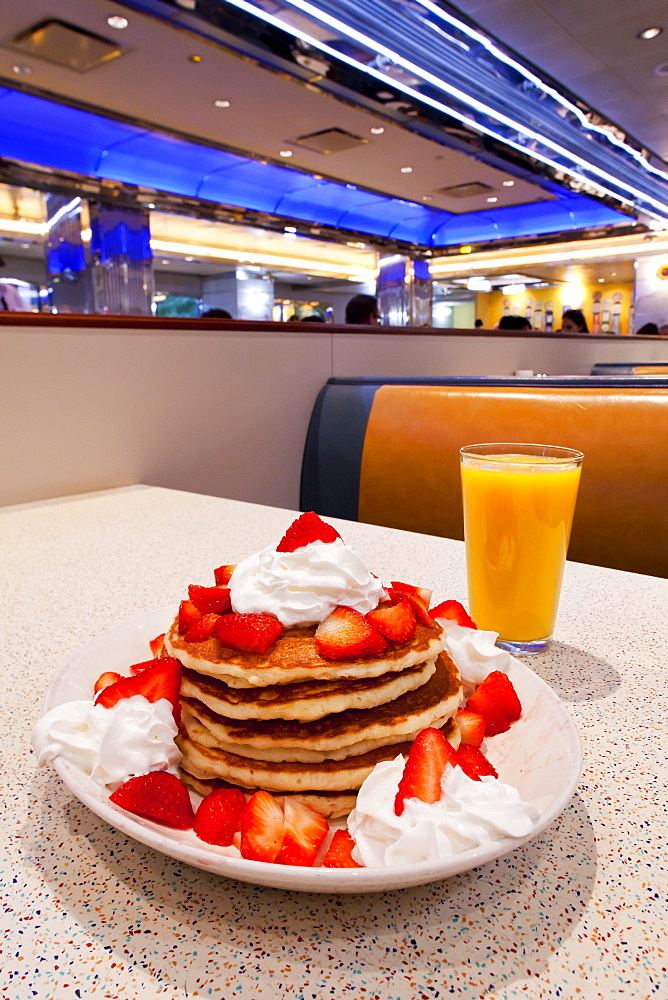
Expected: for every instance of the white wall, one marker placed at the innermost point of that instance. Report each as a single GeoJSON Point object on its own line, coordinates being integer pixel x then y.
{"type": "Point", "coordinates": [471, 354]}
{"type": "Point", "coordinates": [218, 413]}
{"type": "Point", "coordinates": [223, 412]}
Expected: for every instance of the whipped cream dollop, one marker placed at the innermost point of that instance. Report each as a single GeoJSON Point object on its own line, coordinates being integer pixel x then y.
{"type": "Point", "coordinates": [304, 586]}
{"type": "Point", "coordinates": [132, 737]}
{"type": "Point", "coordinates": [469, 814]}
{"type": "Point", "coordinates": [474, 652]}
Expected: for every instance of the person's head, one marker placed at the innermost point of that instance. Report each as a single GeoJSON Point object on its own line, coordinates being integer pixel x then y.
{"type": "Point", "coordinates": [363, 309]}
{"type": "Point", "coordinates": [312, 318]}
{"type": "Point", "coordinates": [648, 329]}
{"type": "Point", "coordinates": [573, 321]}
{"type": "Point", "coordinates": [478, 323]}
{"type": "Point", "coordinates": [216, 314]}
{"type": "Point", "coordinates": [514, 323]}
{"type": "Point", "coordinates": [663, 330]}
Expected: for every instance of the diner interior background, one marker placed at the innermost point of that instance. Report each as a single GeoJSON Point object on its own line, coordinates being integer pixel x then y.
{"type": "Point", "coordinates": [175, 68]}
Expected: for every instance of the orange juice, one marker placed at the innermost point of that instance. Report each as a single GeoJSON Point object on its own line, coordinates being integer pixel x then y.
{"type": "Point", "coordinates": [518, 511]}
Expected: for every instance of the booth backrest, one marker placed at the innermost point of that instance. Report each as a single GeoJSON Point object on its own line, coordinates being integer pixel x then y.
{"type": "Point", "coordinates": [389, 454]}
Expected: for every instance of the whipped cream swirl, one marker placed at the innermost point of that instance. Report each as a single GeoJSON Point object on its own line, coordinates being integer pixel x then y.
{"type": "Point", "coordinates": [132, 737]}
{"type": "Point", "coordinates": [469, 814]}
{"type": "Point", "coordinates": [304, 586]}
{"type": "Point", "coordinates": [474, 652]}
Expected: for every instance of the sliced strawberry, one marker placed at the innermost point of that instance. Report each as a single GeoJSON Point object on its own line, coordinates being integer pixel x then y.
{"type": "Point", "coordinates": [222, 574]}
{"type": "Point", "coordinates": [188, 615]}
{"type": "Point", "coordinates": [158, 795]}
{"type": "Point", "coordinates": [419, 598]}
{"type": "Point", "coordinates": [339, 853]}
{"type": "Point", "coordinates": [345, 633]}
{"type": "Point", "coordinates": [161, 680]}
{"type": "Point", "coordinates": [496, 700]}
{"type": "Point", "coordinates": [251, 633]}
{"type": "Point", "coordinates": [209, 600]}
{"type": "Point", "coordinates": [471, 727]}
{"type": "Point", "coordinates": [157, 644]}
{"type": "Point", "coordinates": [105, 679]}
{"type": "Point", "coordinates": [396, 622]}
{"type": "Point", "coordinates": [262, 828]}
{"type": "Point", "coordinates": [474, 763]}
{"type": "Point", "coordinates": [429, 756]}
{"type": "Point", "coordinates": [202, 629]}
{"type": "Point", "coordinates": [219, 816]}
{"type": "Point", "coordinates": [454, 611]}
{"type": "Point", "coordinates": [137, 668]}
{"type": "Point", "coordinates": [305, 831]}
{"type": "Point", "coordinates": [306, 529]}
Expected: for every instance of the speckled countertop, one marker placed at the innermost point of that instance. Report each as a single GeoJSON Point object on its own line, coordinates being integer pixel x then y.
{"type": "Point", "coordinates": [579, 912]}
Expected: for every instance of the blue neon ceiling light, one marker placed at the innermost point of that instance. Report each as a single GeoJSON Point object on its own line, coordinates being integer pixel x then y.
{"type": "Point", "coordinates": [39, 131]}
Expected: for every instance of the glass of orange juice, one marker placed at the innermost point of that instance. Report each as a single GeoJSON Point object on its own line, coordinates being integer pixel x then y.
{"type": "Point", "coordinates": [519, 501]}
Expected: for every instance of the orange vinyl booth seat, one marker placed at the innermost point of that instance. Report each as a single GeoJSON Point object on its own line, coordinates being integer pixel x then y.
{"type": "Point", "coordinates": [407, 455]}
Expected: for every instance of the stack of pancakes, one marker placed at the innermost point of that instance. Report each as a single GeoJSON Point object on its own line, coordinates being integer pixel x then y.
{"type": "Point", "coordinates": [293, 723]}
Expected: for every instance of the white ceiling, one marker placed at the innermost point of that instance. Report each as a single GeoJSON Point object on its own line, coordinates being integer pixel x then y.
{"type": "Point", "coordinates": [155, 81]}
{"type": "Point", "coordinates": [590, 46]}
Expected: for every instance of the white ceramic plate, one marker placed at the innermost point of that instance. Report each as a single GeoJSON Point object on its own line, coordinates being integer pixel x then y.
{"type": "Point", "coordinates": [541, 755]}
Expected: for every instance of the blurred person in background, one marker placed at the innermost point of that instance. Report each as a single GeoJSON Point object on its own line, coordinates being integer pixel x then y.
{"type": "Point", "coordinates": [10, 298]}
{"type": "Point", "coordinates": [363, 309]}
{"type": "Point", "coordinates": [573, 321]}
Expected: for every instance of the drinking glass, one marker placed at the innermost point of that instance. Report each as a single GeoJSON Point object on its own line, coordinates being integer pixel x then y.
{"type": "Point", "coordinates": [519, 501]}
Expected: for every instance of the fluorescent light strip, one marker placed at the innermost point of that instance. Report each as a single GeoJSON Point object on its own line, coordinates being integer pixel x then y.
{"type": "Point", "coordinates": [363, 273]}
{"type": "Point", "coordinates": [453, 91]}
{"type": "Point", "coordinates": [442, 270]}
{"type": "Point", "coordinates": [532, 78]}
{"type": "Point", "coordinates": [34, 228]}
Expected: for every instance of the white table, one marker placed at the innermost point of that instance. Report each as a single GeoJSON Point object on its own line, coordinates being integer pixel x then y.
{"type": "Point", "coordinates": [578, 912]}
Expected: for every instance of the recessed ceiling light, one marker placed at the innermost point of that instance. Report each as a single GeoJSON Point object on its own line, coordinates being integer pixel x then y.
{"type": "Point", "coordinates": [164, 262]}
{"type": "Point", "coordinates": [427, 197]}
{"type": "Point", "coordinates": [188, 258]}
{"type": "Point", "coordinates": [195, 59]}
{"type": "Point", "coordinates": [509, 184]}
{"type": "Point", "coordinates": [222, 104]}
{"type": "Point", "coordinates": [407, 170]}
{"type": "Point", "coordinates": [116, 21]}
{"type": "Point", "coordinates": [601, 279]}
{"type": "Point", "coordinates": [21, 69]}
{"type": "Point", "coordinates": [648, 33]}
{"type": "Point", "coordinates": [285, 153]}
{"type": "Point", "coordinates": [378, 130]}
{"type": "Point", "coordinates": [290, 229]}
{"type": "Point", "coordinates": [492, 200]}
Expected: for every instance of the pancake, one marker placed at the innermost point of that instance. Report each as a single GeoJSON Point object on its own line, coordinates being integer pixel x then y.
{"type": "Point", "coordinates": [352, 732]}
{"type": "Point", "coordinates": [304, 701]}
{"type": "Point", "coordinates": [294, 657]}
{"type": "Point", "coordinates": [291, 776]}
{"type": "Point", "coordinates": [332, 805]}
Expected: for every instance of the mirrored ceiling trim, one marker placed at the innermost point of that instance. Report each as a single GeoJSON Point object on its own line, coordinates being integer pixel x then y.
{"type": "Point", "coordinates": [426, 59]}
{"type": "Point", "coordinates": [54, 135]}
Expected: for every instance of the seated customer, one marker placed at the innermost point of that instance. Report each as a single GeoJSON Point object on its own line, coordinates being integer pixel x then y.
{"type": "Point", "coordinates": [363, 309]}
{"type": "Point", "coordinates": [514, 323]}
{"type": "Point", "coordinates": [573, 321]}
{"type": "Point", "coordinates": [216, 314]}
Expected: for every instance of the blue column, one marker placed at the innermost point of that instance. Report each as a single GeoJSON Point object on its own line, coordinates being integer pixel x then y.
{"type": "Point", "coordinates": [65, 256]}
{"type": "Point", "coordinates": [404, 291]}
{"type": "Point", "coordinates": [121, 259]}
